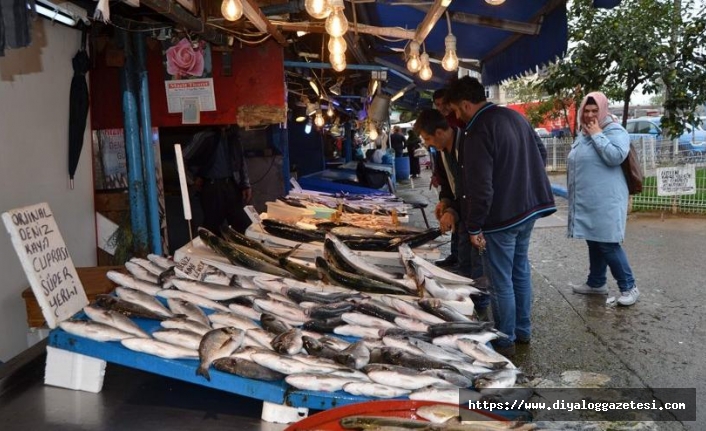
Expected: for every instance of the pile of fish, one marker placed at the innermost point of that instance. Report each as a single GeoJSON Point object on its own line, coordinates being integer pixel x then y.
{"type": "Point", "coordinates": [341, 266]}
{"type": "Point", "coordinates": [272, 328]}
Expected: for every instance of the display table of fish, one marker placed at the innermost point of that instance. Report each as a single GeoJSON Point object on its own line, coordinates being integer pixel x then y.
{"type": "Point", "coordinates": [285, 341]}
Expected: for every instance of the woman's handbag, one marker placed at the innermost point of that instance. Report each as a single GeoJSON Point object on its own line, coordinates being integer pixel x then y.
{"type": "Point", "coordinates": [420, 152]}
{"type": "Point", "coordinates": [633, 172]}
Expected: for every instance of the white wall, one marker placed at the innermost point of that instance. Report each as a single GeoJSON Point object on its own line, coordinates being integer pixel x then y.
{"type": "Point", "coordinates": [34, 116]}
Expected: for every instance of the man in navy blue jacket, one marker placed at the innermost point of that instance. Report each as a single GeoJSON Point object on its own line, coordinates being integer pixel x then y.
{"type": "Point", "coordinates": [506, 189]}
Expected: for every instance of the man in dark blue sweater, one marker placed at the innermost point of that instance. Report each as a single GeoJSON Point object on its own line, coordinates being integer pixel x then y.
{"type": "Point", "coordinates": [506, 188]}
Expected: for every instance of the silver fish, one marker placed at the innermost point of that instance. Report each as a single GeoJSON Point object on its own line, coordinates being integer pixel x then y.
{"type": "Point", "coordinates": [179, 337]}
{"type": "Point", "coordinates": [115, 319]}
{"type": "Point", "coordinates": [402, 377]}
{"type": "Point", "coordinates": [133, 283]}
{"type": "Point", "coordinates": [94, 330]}
{"type": "Point", "coordinates": [162, 262]}
{"type": "Point", "coordinates": [452, 339]}
{"type": "Point", "coordinates": [261, 336]}
{"type": "Point", "coordinates": [289, 342]}
{"type": "Point", "coordinates": [284, 364]}
{"type": "Point", "coordinates": [356, 331]}
{"type": "Point", "coordinates": [230, 319]}
{"type": "Point", "coordinates": [246, 352]}
{"type": "Point", "coordinates": [437, 351]}
{"type": "Point", "coordinates": [412, 310]}
{"type": "Point", "coordinates": [365, 320]}
{"type": "Point", "coordinates": [143, 299]}
{"type": "Point", "coordinates": [185, 324]}
{"type": "Point", "coordinates": [159, 348]}
{"type": "Point", "coordinates": [215, 344]}
{"type": "Point", "coordinates": [484, 354]}
{"type": "Point", "coordinates": [376, 390]}
{"type": "Point", "coordinates": [191, 311]}
{"type": "Point", "coordinates": [411, 324]}
{"type": "Point", "coordinates": [149, 266]}
{"type": "Point", "coordinates": [190, 297]}
{"type": "Point", "coordinates": [401, 343]}
{"type": "Point", "coordinates": [456, 379]}
{"type": "Point", "coordinates": [244, 311]}
{"type": "Point", "coordinates": [334, 342]}
{"type": "Point", "coordinates": [212, 291]}
{"type": "Point", "coordinates": [290, 312]}
{"type": "Point", "coordinates": [141, 273]}
{"type": "Point", "coordinates": [318, 382]}
{"type": "Point", "coordinates": [439, 274]}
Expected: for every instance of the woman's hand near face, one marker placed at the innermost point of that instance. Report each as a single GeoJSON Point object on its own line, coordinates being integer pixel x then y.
{"type": "Point", "coordinates": [592, 127]}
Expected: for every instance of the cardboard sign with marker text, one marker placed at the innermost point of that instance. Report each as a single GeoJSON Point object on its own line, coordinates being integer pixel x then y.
{"type": "Point", "coordinates": [46, 262]}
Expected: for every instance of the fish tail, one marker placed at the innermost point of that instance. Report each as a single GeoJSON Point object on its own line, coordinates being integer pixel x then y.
{"type": "Point", "coordinates": [203, 371]}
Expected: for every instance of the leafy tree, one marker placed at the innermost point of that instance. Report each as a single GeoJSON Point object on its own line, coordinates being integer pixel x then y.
{"type": "Point", "coordinates": [617, 50]}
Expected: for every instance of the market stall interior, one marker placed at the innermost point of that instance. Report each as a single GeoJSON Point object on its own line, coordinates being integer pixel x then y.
{"type": "Point", "coordinates": [329, 298]}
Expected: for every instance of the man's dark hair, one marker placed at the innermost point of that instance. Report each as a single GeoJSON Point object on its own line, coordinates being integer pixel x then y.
{"type": "Point", "coordinates": [439, 94]}
{"type": "Point", "coordinates": [429, 120]}
{"type": "Point", "coordinates": [466, 88]}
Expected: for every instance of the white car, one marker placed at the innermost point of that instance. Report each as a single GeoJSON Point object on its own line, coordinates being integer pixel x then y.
{"type": "Point", "coordinates": [542, 132]}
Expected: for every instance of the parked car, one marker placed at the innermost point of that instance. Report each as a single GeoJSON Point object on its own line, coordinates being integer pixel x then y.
{"type": "Point", "coordinates": [692, 140]}
{"type": "Point", "coordinates": [542, 132]}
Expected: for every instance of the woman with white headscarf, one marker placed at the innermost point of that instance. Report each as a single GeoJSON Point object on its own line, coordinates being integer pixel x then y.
{"type": "Point", "coordinates": [598, 198]}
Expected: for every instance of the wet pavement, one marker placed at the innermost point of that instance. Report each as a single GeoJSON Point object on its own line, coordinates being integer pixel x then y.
{"type": "Point", "coordinates": [657, 343]}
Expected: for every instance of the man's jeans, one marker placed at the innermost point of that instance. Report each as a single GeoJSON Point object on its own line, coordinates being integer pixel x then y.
{"type": "Point", "coordinates": [604, 255]}
{"type": "Point", "coordinates": [470, 263]}
{"type": "Point", "coordinates": [511, 281]}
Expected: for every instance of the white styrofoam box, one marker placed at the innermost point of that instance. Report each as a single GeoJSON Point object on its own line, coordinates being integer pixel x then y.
{"type": "Point", "coordinates": [280, 414]}
{"type": "Point", "coordinates": [73, 370]}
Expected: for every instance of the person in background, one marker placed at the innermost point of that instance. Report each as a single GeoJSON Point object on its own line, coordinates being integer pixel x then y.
{"type": "Point", "coordinates": [598, 198]}
{"type": "Point", "coordinates": [436, 132]}
{"type": "Point", "coordinates": [505, 189]}
{"type": "Point", "coordinates": [443, 107]}
{"type": "Point", "coordinates": [397, 141]}
{"type": "Point", "coordinates": [413, 142]}
{"type": "Point", "coordinates": [216, 160]}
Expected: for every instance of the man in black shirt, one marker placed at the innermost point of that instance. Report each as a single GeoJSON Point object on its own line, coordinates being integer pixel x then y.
{"type": "Point", "coordinates": [215, 158]}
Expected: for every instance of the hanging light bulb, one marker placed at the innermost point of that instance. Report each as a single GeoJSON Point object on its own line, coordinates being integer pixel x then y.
{"type": "Point", "coordinates": [375, 87]}
{"type": "Point", "coordinates": [425, 72]}
{"type": "Point", "coordinates": [339, 66]}
{"type": "Point", "coordinates": [318, 9]}
{"type": "Point", "coordinates": [232, 10]}
{"type": "Point", "coordinates": [450, 61]}
{"type": "Point", "coordinates": [307, 128]}
{"type": "Point", "coordinates": [336, 23]}
{"type": "Point", "coordinates": [319, 119]}
{"type": "Point", "coordinates": [337, 45]}
{"type": "Point", "coordinates": [495, 2]}
{"type": "Point", "coordinates": [337, 58]}
{"type": "Point", "coordinates": [413, 62]}
{"type": "Point", "coordinates": [372, 132]}
{"type": "Point", "coordinates": [329, 111]}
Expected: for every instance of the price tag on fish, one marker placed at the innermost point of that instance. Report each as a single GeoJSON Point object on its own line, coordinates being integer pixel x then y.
{"type": "Point", "coordinates": [46, 262]}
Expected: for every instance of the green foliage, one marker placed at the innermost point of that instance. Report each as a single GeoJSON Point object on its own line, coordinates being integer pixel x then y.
{"type": "Point", "coordinates": [639, 43]}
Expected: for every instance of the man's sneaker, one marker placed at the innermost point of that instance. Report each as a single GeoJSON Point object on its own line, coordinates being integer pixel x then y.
{"type": "Point", "coordinates": [588, 290]}
{"type": "Point", "coordinates": [629, 297]}
{"type": "Point", "coordinates": [448, 262]}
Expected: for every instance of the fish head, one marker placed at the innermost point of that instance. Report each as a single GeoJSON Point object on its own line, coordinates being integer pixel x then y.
{"type": "Point", "coordinates": [311, 344]}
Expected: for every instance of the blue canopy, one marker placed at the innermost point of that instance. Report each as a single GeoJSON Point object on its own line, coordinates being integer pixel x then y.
{"type": "Point", "coordinates": [499, 50]}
